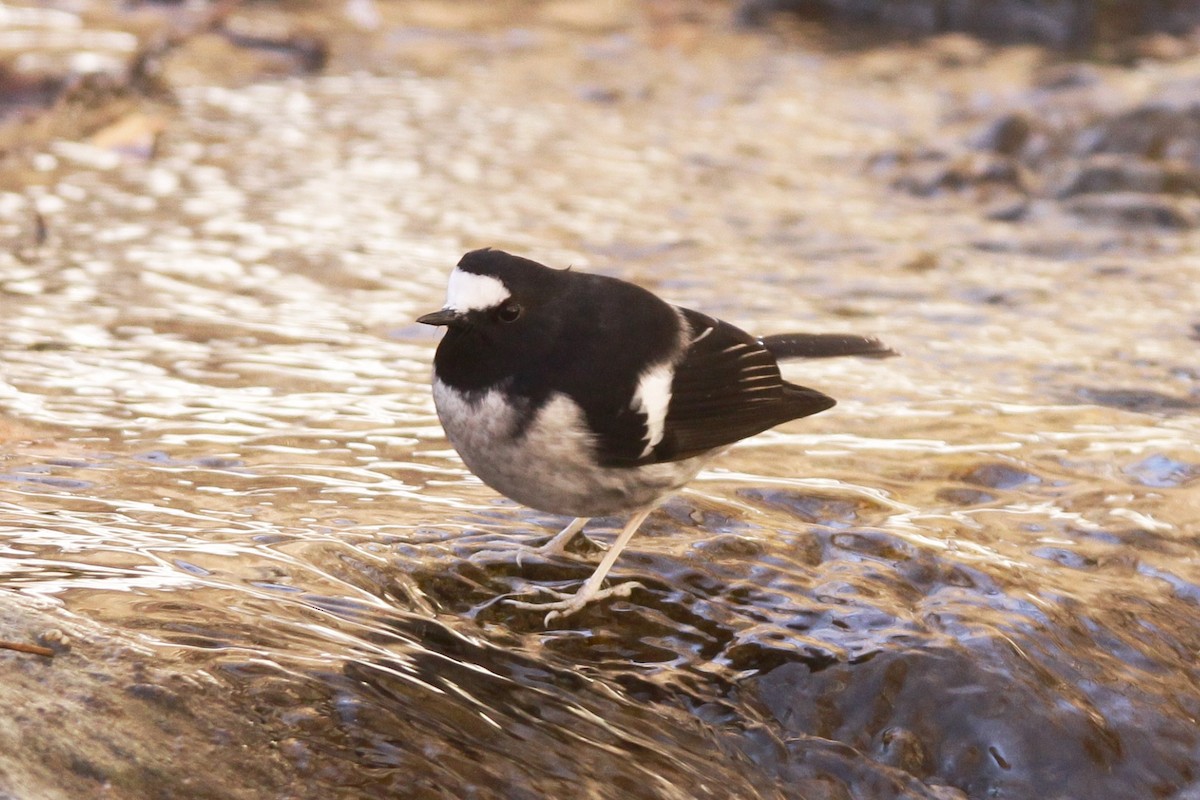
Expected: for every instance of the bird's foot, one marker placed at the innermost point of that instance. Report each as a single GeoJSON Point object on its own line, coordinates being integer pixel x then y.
{"type": "Point", "coordinates": [498, 555]}
{"type": "Point", "coordinates": [568, 604]}
{"type": "Point", "coordinates": [556, 548]}
{"type": "Point", "coordinates": [549, 550]}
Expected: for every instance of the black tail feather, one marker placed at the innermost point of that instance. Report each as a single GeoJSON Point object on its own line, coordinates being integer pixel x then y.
{"type": "Point", "coordinates": [825, 345]}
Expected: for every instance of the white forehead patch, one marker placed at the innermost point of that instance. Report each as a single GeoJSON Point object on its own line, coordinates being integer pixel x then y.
{"type": "Point", "coordinates": [470, 292]}
{"type": "Point", "coordinates": [652, 398]}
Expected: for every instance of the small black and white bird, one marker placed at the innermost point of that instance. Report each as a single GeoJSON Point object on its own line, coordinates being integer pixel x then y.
{"type": "Point", "coordinates": [588, 396]}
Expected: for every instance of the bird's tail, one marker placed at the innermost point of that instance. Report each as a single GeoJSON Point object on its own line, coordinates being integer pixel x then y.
{"type": "Point", "coordinates": [825, 345]}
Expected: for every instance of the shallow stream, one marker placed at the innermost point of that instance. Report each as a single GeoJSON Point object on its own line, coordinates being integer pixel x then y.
{"type": "Point", "coordinates": [975, 577]}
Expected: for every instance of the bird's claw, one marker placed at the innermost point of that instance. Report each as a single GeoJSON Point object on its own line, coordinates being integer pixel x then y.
{"type": "Point", "coordinates": [568, 604]}
{"type": "Point", "coordinates": [545, 551]}
{"type": "Point", "coordinates": [563, 597]}
{"type": "Point", "coordinates": [551, 550]}
{"type": "Point", "coordinates": [488, 555]}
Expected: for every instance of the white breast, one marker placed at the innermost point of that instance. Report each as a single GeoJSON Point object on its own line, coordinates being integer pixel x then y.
{"type": "Point", "coordinates": [548, 464]}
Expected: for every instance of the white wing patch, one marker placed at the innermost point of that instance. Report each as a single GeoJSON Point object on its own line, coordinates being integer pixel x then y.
{"type": "Point", "coordinates": [470, 292]}
{"type": "Point", "coordinates": [652, 397]}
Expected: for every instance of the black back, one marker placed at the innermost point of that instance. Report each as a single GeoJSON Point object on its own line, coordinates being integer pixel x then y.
{"type": "Point", "coordinates": [592, 337]}
{"type": "Point", "coordinates": [583, 335]}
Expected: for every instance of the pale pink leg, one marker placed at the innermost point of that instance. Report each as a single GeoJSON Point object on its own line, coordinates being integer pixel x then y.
{"type": "Point", "coordinates": [590, 590]}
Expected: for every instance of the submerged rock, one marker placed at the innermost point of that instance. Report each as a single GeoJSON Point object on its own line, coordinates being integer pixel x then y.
{"type": "Point", "coordinates": [1078, 24]}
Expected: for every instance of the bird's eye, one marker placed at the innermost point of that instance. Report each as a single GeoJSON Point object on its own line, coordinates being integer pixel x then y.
{"type": "Point", "coordinates": [509, 312]}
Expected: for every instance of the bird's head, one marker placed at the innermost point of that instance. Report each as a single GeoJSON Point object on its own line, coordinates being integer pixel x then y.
{"type": "Point", "coordinates": [499, 315]}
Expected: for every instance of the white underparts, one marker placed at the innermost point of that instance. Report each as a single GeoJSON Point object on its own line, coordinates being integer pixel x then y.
{"type": "Point", "coordinates": [652, 398]}
{"type": "Point", "coordinates": [552, 465]}
{"type": "Point", "coordinates": [470, 292]}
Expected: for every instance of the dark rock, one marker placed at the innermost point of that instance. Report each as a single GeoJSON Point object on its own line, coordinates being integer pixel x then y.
{"type": "Point", "coordinates": [1007, 135]}
{"type": "Point", "coordinates": [1010, 209]}
{"type": "Point", "coordinates": [1076, 24]}
{"type": "Point", "coordinates": [902, 748]}
{"type": "Point", "coordinates": [1158, 47]}
{"type": "Point", "coordinates": [153, 693]}
{"type": "Point", "coordinates": [1111, 173]}
{"type": "Point", "coordinates": [979, 718]}
{"type": "Point", "coordinates": [968, 170]}
{"type": "Point", "coordinates": [1144, 400]}
{"type": "Point", "coordinates": [1132, 208]}
{"type": "Point", "coordinates": [1155, 131]}
{"type": "Point", "coordinates": [965, 497]}
{"type": "Point", "coordinates": [999, 476]}
{"type": "Point", "coordinates": [1072, 75]}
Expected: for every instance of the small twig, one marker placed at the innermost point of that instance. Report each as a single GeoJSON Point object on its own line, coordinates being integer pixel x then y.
{"type": "Point", "coordinates": [21, 647]}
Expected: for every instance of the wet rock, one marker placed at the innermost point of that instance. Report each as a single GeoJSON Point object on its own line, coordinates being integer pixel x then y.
{"type": "Point", "coordinates": [922, 176]}
{"type": "Point", "coordinates": [98, 725]}
{"type": "Point", "coordinates": [730, 545]}
{"type": "Point", "coordinates": [875, 544]}
{"type": "Point", "coordinates": [1137, 210]}
{"type": "Point", "coordinates": [80, 108]}
{"type": "Point", "coordinates": [1064, 557]}
{"type": "Point", "coordinates": [1103, 174]}
{"type": "Point", "coordinates": [924, 261]}
{"type": "Point", "coordinates": [957, 50]}
{"type": "Point", "coordinates": [591, 17]}
{"type": "Point", "coordinates": [1005, 20]}
{"type": "Point", "coordinates": [999, 476]}
{"type": "Point", "coordinates": [1070, 75]}
{"type": "Point", "coordinates": [399, 722]}
{"type": "Point", "coordinates": [764, 656]}
{"type": "Point", "coordinates": [153, 693]}
{"type": "Point", "coordinates": [808, 507]}
{"type": "Point", "coordinates": [219, 58]}
{"type": "Point", "coordinates": [965, 497]}
{"type": "Point", "coordinates": [902, 748]}
{"type": "Point", "coordinates": [1006, 135]}
{"type": "Point", "coordinates": [978, 172]}
{"type": "Point", "coordinates": [821, 769]}
{"type": "Point", "coordinates": [56, 640]}
{"type": "Point", "coordinates": [1058, 24]}
{"type": "Point", "coordinates": [291, 45]}
{"type": "Point", "coordinates": [134, 135]}
{"type": "Point", "coordinates": [975, 718]}
{"type": "Point", "coordinates": [1153, 130]}
{"type": "Point", "coordinates": [1145, 400]}
{"type": "Point", "coordinates": [1007, 209]}
{"type": "Point", "coordinates": [1067, 146]}
{"type": "Point", "coordinates": [1158, 47]}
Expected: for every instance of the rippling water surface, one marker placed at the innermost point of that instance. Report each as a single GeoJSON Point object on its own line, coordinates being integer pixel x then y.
{"type": "Point", "coordinates": [975, 577]}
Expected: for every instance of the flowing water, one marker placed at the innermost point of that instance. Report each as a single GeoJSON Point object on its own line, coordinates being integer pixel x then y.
{"type": "Point", "coordinates": [222, 472]}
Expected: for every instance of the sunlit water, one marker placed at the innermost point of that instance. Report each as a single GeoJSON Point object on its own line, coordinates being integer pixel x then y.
{"type": "Point", "coordinates": [974, 577]}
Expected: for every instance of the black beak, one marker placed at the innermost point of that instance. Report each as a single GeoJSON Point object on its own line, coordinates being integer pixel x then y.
{"type": "Point", "coordinates": [444, 317]}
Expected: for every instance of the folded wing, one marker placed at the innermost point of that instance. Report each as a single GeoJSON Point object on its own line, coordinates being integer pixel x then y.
{"type": "Point", "coordinates": [726, 387]}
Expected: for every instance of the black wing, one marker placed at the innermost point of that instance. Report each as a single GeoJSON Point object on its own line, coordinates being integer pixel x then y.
{"type": "Point", "coordinates": [726, 387]}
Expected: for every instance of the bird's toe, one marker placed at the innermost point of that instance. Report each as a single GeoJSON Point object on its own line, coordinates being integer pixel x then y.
{"type": "Point", "coordinates": [568, 604]}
